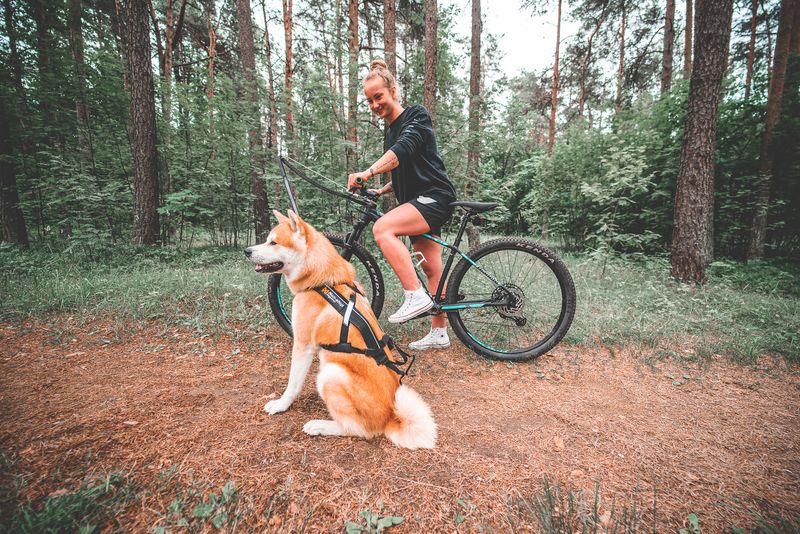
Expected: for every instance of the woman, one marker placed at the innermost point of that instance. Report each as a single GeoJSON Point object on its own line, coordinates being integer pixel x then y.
{"type": "Point", "coordinates": [423, 191]}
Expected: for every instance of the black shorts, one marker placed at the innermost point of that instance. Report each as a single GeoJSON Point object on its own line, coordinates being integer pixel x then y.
{"type": "Point", "coordinates": [434, 205]}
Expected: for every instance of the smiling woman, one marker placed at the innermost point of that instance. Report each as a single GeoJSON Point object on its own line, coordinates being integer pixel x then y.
{"type": "Point", "coordinates": [423, 190]}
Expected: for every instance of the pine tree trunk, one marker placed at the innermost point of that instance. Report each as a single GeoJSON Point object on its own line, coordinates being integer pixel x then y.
{"type": "Point", "coordinates": [473, 152]}
{"type": "Point", "coordinates": [766, 159]}
{"type": "Point", "coordinates": [751, 50]}
{"type": "Point", "coordinates": [258, 190]}
{"type": "Point", "coordinates": [143, 126]}
{"type": "Point", "coordinates": [687, 40]}
{"type": "Point", "coordinates": [14, 229]}
{"type": "Point", "coordinates": [694, 196]}
{"type": "Point", "coordinates": [287, 30]}
{"type": "Point", "coordinates": [669, 43]}
{"type": "Point", "coordinates": [390, 52]}
{"type": "Point", "coordinates": [551, 137]}
{"type": "Point", "coordinates": [431, 54]}
{"type": "Point", "coordinates": [621, 65]}
{"type": "Point", "coordinates": [13, 221]}
{"type": "Point", "coordinates": [272, 137]}
{"type": "Point", "coordinates": [585, 61]}
{"type": "Point", "coordinates": [352, 85]}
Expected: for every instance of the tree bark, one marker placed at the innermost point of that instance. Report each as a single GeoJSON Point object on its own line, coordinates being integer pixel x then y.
{"type": "Point", "coordinates": [14, 229]}
{"type": "Point", "coordinates": [390, 35]}
{"type": "Point", "coordinates": [586, 59]}
{"type": "Point", "coordinates": [390, 56]}
{"type": "Point", "coordinates": [13, 221]}
{"type": "Point", "coordinates": [551, 137]}
{"type": "Point", "coordinates": [621, 65]}
{"type": "Point", "coordinates": [766, 158]}
{"type": "Point", "coordinates": [687, 40]}
{"type": "Point", "coordinates": [272, 137]}
{"type": "Point", "coordinates": [258, 190]}
{"type": "Point", "coordinates": [352, 85]}
{"type": "Point", "coordinates": [431, 56]}
{"type": "Point", "coordinates": [751, 50]}
{"type": "Point", "coordinates": [669, 43]}
{"type": "Point", "coordinates": [474, 150]}
{"type": "Point", "coordinates": [692, 237]}
{"type": "Point", "coordinates": [143, 126]}
{"type": "Point", "coordinates": [287, 30]}
{"type": "Point", "coordinates": [81, 111]}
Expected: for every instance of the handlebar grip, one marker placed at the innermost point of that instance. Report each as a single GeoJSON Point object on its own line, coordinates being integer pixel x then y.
{"type": "Point", "coordinates": [359, 180]}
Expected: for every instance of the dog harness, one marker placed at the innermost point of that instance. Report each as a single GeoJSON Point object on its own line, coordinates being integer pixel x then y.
{"type": "Point", "coordinates": [376, 348]}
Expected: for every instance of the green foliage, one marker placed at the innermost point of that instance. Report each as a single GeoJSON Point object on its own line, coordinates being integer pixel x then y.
{"type": "Point", "coordinates": [86, 509]}
{"type": "Point", "coordinates": [190, 510]}
{"type": "Point", "coordinates": [372, 521]}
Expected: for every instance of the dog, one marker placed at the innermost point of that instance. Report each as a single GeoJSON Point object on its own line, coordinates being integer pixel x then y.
{"type": "Point", "coordinates": [364, 399]}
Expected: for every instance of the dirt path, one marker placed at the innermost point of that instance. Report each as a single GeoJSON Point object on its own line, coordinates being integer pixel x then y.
{"type": "Point", "coordinates": [179, 411]}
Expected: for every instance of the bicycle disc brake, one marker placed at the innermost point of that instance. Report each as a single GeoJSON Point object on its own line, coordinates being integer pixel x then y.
{"type": "Point", "coordinates": [512, 310]}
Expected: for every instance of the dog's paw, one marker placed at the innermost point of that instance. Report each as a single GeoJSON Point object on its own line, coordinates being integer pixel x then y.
{"type": "Point", "coordinates": [319, 427]}
{"type": "Point", "coordinates": [277, 406]}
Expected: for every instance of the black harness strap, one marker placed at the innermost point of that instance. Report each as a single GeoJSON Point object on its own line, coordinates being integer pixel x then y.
{"type": "Point", "coordinates": [376, 348]}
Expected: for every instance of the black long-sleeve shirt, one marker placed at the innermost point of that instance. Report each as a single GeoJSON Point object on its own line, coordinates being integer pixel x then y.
{"type": "Point", "coordinates": [421, 168]}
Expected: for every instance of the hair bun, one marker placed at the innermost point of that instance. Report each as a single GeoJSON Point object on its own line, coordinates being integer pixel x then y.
{"type": "Point", "coordinates": [377, 64]}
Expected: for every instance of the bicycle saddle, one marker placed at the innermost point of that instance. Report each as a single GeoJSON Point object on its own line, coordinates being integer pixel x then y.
{"type": "Point", "coordinates": [475, 207]}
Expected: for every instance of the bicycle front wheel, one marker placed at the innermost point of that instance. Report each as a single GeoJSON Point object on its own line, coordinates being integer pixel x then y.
{"type": "Point", "coordinates": [513, 299]}
{"type": "Point", "coordinates": [368, 273]}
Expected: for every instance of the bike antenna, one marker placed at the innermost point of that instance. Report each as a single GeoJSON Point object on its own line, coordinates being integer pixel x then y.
{"type": "Point", "coordinates": [287, 163]}
{"type": "Point", "coordinates": [288, 186]}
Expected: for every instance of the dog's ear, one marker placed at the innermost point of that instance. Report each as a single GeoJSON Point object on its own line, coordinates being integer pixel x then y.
{"type": "Point", "coordinates": [279, 216]}
{"type": "Point", "coordinates": [295, 221]}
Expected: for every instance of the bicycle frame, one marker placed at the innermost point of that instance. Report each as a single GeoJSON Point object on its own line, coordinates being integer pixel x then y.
{"type": "Point", "coordinates": [371, 213]}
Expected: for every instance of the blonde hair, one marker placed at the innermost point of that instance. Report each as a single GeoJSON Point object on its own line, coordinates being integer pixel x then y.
{"type": "Point", "coordinates": [379, 69]}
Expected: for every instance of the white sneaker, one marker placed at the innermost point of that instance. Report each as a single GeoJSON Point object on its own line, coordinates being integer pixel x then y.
{"type": "Point", "coordinates": [436, 339]}
{"type": "Point", "coordinates": [416, 303]}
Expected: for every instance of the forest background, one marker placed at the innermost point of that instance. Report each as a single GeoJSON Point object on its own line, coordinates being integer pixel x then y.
{"type": "Point", "coordinates": [139, 146]}
{"type": "Point", "coordinates": [584, 154]}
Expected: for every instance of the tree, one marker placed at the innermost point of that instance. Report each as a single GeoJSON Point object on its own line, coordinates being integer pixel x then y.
{"type": "Point", "coordinates": [692, 244]}
{"type": "Point", "coordinates": [142, 126]}
{"type": "Point", "coordinates": [669, 42]}
{"type": "Point", "coordinates": [287, 91]}
{"type": "Point", "coordinates": [551, 137]}
{"type": "Point", "coordinates": [621, 63]}
{"type": "Point", "coordinates": [474, 150]}
{"type": "Point", "coordinates": [352, 86]}
{"type": "Point", "coordinates": [390, 51]}
{"type": "Point", "coordinates": [257, 186]}
{"type": "Point", "coordinates": [751, 49]}
{"type": "Point", "coordinates": [687, 40]}
{"type": "Point", "coordinates": [14, 229]}
{"type": "Point", "coordinates": [758, 228]}
{"type": "Point", "coordinates": [431, 50]}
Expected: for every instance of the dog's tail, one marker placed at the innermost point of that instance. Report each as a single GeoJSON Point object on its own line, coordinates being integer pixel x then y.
{"type": "Point", "coordinates": [413, 426]}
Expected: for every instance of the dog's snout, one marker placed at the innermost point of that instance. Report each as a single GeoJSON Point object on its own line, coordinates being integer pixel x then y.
{"type": "Point", "coordinates": [248, 251]}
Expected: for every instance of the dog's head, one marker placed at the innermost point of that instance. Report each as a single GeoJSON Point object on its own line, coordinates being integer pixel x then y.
{"type": "Point", "coordinates": [285, 247]}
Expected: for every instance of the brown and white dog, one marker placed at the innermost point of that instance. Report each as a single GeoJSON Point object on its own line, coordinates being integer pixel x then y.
{"type": "Point", "coordinates": [363, 398]}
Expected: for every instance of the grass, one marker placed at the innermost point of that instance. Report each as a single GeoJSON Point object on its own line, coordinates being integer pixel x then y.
{"type": "Point", "coordinates": [98, 504]}
{"type": "Point", "coordinates": [742, 312]}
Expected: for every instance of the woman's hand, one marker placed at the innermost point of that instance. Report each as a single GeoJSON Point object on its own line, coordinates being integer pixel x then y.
{"type": "Point", "coordinates": [351, 180]}
{"type": "Point", "coordinates": [378, 192]}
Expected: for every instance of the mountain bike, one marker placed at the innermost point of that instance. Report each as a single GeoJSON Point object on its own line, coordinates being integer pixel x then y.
{"type": "Point", "coordinates": [509, 298]}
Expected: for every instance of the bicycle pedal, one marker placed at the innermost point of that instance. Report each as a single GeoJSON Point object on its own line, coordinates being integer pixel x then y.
{"type": "Point", "coordinates": [415, 261]}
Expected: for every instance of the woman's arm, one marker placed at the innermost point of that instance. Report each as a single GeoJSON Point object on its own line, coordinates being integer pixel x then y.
{"type": "Point", "coordinates": [385, 163]}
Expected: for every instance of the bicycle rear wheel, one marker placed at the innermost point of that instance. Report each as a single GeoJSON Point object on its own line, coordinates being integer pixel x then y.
{"type": "Point", "coordinates": [368, 273]}
{"type": "Point", "coordinates": [537, 291]}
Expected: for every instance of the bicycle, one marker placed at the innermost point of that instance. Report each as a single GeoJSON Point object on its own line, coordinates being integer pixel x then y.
{"type": "Point", "coordinates": [489, 303]}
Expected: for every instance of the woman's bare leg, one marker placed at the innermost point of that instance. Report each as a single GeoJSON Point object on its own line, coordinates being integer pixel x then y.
{"type": "Point", "coordinates": [405, 219]}
{"type": "Point", "coordinates": [432, 266]}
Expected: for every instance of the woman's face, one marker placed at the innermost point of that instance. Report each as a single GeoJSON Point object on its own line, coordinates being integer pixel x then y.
{"type": "Point", "coordinates": [381, 99]}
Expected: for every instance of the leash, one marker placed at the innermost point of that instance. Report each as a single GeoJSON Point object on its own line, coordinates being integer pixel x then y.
{"type": "Point", "coordinates": [376, 348]}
